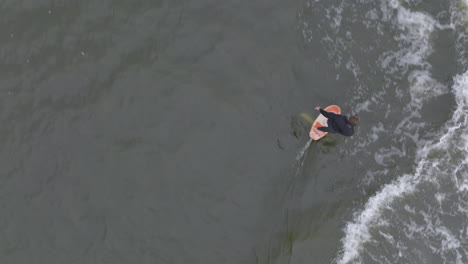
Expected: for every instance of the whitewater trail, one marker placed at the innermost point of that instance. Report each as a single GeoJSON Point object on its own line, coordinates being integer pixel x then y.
{"type": "Point", "coordinates": [301, 157]}
{"type": "Point", "coordinates": [301, 154]}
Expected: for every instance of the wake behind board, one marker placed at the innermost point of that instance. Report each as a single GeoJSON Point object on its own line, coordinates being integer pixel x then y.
{"type": "Point", "coordinates": [321, 121]}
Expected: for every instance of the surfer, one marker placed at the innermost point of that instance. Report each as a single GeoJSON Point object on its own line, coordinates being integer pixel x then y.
{"type": "Point", "coordinates": [338, 123]}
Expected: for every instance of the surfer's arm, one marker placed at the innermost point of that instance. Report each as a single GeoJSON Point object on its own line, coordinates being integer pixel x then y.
{"type": "Point", "coordinates": [326, 114]}
{"type": "Point", "coordinates": [326, 129]}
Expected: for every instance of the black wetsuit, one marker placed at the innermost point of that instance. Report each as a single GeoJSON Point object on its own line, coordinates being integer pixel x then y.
{"type": "Point", "coordinates": [337, 124]}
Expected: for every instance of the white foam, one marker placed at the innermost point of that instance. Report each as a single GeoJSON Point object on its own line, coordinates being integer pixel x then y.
{"type": "Point", "coordinates": [449, 241]}
{"type": "Point", "coordinates": [388, 237]}
{"type": "Point", "coordinates": [337, 16]}
{"type": "Point", "coordinates": [363, 107]}
{"type": "Point", "coordinates": [423, 87]}
{"type": "Point", "coordinates": [461, 91]}
{"type": "Point", "coordinates": [412, 228]}
{"type": "Point", "coordinates": [417, 28]}
{"type": "Point", "coordinates": [432, 230]}
{"type": "Point", "coordinates": [388, 154]}
{"type": "Point", "coordinates": [371, 175]}
{"type": "Point", "coordinates": [353, 67]}
{"type": "Point", "coordinates": [463, 187]}
{"type": "Point", "coordinates": [465, 8]}
{"type": "Point", "coordinates": [414, 48]}
{"type": "Point", "coordinates": [357, 232]}
{"type": "Point", "coordinates": [439, 197]}
{"type": "Point", "coordinates": [376, 130]}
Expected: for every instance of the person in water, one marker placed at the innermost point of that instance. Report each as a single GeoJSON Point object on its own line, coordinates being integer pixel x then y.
{"type": "Point", "coordinates": [338, 123]}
